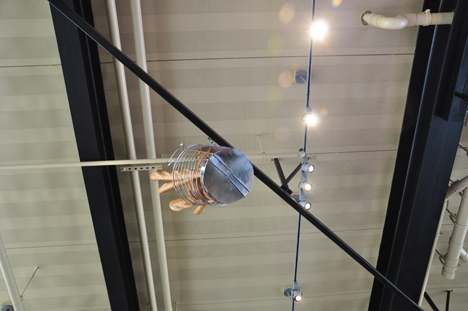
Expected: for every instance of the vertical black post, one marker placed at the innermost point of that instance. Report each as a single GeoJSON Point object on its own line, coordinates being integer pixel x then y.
{"type": "Point", "coordinates": [447, 302]}
{"type": "Point", "coordinates": [83, 81]}
{"type": "Point", "coordinates": [431, 130]}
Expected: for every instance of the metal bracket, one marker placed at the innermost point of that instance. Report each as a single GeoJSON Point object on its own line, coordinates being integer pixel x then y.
{"type": "Point", "coordinates": [129, 168]}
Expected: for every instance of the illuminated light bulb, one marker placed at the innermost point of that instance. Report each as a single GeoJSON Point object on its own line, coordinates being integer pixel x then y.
{"type": "Point", "coordinates": [319, 29]}
{"type": "Point", "coordinates": [308, 168]}
{"type": "Point", "coordinates": [311, 119]}
{"type": "Point", "coordinates": [307, 186]}
{"type": "Point", "coordinates": [307, 205]}
{"type": "Point", "coordinates": [298, 298]}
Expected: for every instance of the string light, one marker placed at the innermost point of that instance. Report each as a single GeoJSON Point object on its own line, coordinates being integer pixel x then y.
{"type": "Point", "coordinates": [307, 186]}
{"type": "Point", "coordinates": [307, 205]}
{"type": "Point", "coordinates": [319, 29]}
{"type": "Point", "coordinates": [308, 168]}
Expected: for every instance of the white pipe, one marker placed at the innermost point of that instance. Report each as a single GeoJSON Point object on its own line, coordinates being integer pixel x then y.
{"type": "Point", "coordinates": [457, 186]}
{"type": "Point", "coordinates": [137, 195]}
{"type": "Point", "coordinates": [137, 22]}
{"type": "Point", "coordinates": [10, 279]}
{"type": "Point", "coordinates": [405, 20]}
{"type": "Point", "coordinates": [82, 164]}
{"type": "Point", "coordinates": [453, 189]}
{"type": "Point", "coordinates": [431, 258]}
{"type": "Point", "coordinates": [464, 255]}
{"type": "Point", "coordinates": [126, 162]}
{"type": "Point", "coordinates": [456, 240]}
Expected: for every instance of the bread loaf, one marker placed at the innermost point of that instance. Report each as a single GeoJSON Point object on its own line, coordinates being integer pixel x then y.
{"type": "Point", "coordinates": [179, 204]}
{"type": "Point", "coordinates": [163, 175]}
{"type": "Point", "coordinates": [199, 209]}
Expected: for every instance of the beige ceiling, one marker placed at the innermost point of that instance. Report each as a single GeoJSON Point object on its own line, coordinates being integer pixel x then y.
{"type": "Point", "coordinates": [223, 59]}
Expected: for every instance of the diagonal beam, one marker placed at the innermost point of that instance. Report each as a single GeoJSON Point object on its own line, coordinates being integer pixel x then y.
{"type": "Point", "coordinates": [173, 101]}
{"type": "Point", "coordinates": [430, 302]}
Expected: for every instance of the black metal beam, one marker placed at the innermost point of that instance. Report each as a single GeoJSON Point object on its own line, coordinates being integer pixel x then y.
{"type": "Point", "coordinates": [279, 170]}
{"type": "Point", "coordinates": [83, 81]}
{"type": "Point", "coordinates": [428, 144]}
{"type": "Point", "coordinates": [430, 302]}
{"type": "Point", "coordinates": [173, 101]}
{"type": "Point", "coordinates": [447, 302]}
{"type": "Point", "coordinates": [293, 173]}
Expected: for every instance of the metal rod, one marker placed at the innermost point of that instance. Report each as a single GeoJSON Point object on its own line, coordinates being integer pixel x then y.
{"type": "Point", "coordinates": [148, 162]}
{"type": "Point", "coordinates": [309, 73]}
{"type": "Point", "coordinates": [447, 302]}
{"type": "Point", "coordinates": [9, 278]}
{"type": "Point", "coordinates": [173, 101]}
{"type": "Point", "coordinates": [297, 247]}
{"type": "Point", "coordinates": [291, 176]}
{"type": "Point", "coordinates": [430, 302]}
{"type": "Point", "coordinates": [131, 150]}
{"type": "Point", "coordinates": [137, 22]}
{"type": "Point", "coordinates": [279, 170]}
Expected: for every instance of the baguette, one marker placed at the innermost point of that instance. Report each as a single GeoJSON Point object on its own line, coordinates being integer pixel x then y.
{"type": "Point", "coordinates": [163, 175]}
{"type": "Point", "coordinates": [199, 209]}
{"type": "Point", "coordinates": [171, 185]}
{"type": "Point", "coordinates": [179, 204]}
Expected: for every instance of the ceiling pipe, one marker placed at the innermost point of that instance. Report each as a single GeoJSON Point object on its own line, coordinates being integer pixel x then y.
{"type": "Point", "coordinates": [457, 239]}
{"type": "Point", "coordinates": [130, 143]}
{"type": "Point", "coordinates": [454, 188]}
{"type": "Point", "coordinates": [464, 255]}
{"type": "Point", "coordinates": [143, 162]}
{"type": "Point", "coordinates": [9, 278]}
{"type": "Point", "coordinates": [425, 18]}
{"type": "Point", "coordinates": [431, 257]}
{"type": "Point", "coordinates": [137, 22]}
{"type": "Point", "coordinates": [457, 187]}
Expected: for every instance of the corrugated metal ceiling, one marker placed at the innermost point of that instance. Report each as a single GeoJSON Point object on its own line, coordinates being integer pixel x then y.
{"type": "Point", "coordinates": [224, 60]}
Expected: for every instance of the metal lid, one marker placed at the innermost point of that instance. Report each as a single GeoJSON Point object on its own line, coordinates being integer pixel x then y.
{"type": "Point", "coordinates": [227, 175]}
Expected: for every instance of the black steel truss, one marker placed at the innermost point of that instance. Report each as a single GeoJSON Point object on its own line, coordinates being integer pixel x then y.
{"type": "Point", "coordinates": [432, 125]}
{"type": "Point", "coordinates": [83, 82]}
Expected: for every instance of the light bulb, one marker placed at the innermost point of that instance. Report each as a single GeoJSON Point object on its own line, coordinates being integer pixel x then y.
{"type": "Point", "coordinates": [307, 205]}
{"type": "Point", "coordinates": [308, 168]}
{"type": "Point", "coordinates": [319, 29]}
{"type": "Point", "coordinates": [307, 186]}
{"type": "Point", "coordinates": [298, 298]}
{"type": "Point", "coordinates": [311, 119]}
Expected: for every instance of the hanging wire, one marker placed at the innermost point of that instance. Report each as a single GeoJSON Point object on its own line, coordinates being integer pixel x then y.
{"type": "Point", "coordinates": [29, 282]}
{"type": "Point", "coordinates": [304, 176]}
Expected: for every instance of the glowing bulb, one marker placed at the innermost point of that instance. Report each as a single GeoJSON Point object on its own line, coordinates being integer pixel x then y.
{"type": "Point", "coordinates": [298, 298]}
{"type": "Point", "coordinates": [307, 186]}
{"type": "Point", "coordinates": [308, 168]}
{"type": "Point", "coordinates": [311, 119]}
{"type": "Point", "coordinates": [319, 29]}
{"type": "Point", "coordinates": [305, 204]}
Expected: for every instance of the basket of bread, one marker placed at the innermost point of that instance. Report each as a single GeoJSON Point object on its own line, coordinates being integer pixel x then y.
{"type": "Point", "coordinates": [206, 175]}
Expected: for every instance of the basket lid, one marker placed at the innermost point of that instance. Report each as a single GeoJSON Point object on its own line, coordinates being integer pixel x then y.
{"type": "Point", "coordinates": [227, 175]}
